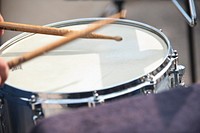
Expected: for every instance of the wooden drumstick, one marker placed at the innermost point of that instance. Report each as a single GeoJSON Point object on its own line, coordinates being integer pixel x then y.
{"type": "Point", "coordinates": [69, 37]}
{"type": "Point", "coordinates": [50, 30]}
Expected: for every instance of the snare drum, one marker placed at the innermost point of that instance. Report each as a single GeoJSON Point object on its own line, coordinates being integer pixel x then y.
{"type": "Point", "coordinates": [84, 72]}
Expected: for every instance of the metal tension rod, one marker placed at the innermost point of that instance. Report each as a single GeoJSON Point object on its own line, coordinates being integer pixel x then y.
{"type": "Point", "coordinates": [192, 20]}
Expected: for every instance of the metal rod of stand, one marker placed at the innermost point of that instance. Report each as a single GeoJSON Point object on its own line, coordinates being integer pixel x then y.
{"type": "Point", "coordinates": [192, 53]}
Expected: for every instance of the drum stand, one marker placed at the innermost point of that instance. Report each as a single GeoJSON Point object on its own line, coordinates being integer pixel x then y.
{"type": "Point", "coordinates": [191, 43]}
{"type": "Point", "coordinates": [192, 21]}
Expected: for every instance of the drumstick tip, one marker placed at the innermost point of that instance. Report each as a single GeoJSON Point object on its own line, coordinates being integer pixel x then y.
{"type": "Point", "coordinates": [118, 38]}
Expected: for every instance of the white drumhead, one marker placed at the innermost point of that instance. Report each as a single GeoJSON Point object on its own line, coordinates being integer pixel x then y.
{"type": "Point", "coordinates": [87, 64]}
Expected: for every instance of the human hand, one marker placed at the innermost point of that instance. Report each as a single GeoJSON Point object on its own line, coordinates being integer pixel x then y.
{"type": "Point", "coordinates": [1, 20]}
{"type": "Point", "coordinates": [4, 69]}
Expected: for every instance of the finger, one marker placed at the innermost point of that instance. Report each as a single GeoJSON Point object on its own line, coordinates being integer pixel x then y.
{"type": "Point", "coordinates": [4, 70]}
{"type": "Point", "coordinates": [1, 20]}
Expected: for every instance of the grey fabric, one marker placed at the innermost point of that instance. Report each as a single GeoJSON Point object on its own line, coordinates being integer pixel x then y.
{"type": "Point", "coordinates": [174, 111]}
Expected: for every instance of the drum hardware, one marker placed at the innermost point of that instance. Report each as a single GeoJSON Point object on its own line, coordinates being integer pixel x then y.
{"type": "Point", "coordinates": [191, 17]}
{"type": "Point", "coordinates": [181, 69]}
{"type": "Point", "coordinates": [36, 109]}
{"type": "Point", "coordinates": [149, 89]}
{"type": "Point", "coordinates": [157, 80]}
{"type": "Point", "coordinates": [177, 71]}
{"type": "Point", "coordinates": [96, 100]}
{"type": "Point", "coordinates": [175, 74]}
{"type": "Point", "coordinates": [191, 20]}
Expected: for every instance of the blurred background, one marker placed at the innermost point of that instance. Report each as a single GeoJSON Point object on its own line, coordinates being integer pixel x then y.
{"type": "Point", "coordinates": [161, 14]}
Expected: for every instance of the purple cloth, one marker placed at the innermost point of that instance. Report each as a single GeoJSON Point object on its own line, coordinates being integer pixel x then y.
{"type": "Point", "coordinates": [174, 111]}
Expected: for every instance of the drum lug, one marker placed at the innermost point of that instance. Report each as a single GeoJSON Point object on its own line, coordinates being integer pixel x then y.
{"type": "Point", "coordinates": [176, 72]}
{"type": "Point", "coordinates": [149, 89]}
{"type": "Point", "coordinates": [36, 109]}
{"type": "Point", "coordinates": [96, 100]}
{"type": "Point", "coordinates": [181, 69]}
{"type": "Point", "coordinates": [177, 76]}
